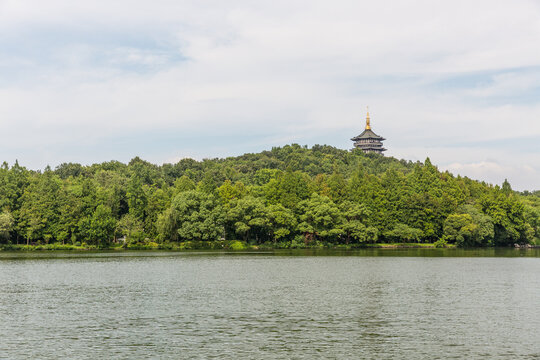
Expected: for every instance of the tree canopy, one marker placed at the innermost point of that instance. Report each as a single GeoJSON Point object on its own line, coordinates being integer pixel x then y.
{"type": "Point", "coordinates": [288, 195]}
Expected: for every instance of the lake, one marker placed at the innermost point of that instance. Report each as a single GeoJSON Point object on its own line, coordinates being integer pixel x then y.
{"type": "Point", "coordinates": [372, 304]}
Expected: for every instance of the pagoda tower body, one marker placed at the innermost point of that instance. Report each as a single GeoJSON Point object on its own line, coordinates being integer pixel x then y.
{"type": "Point", "coordinates": [368, 141]}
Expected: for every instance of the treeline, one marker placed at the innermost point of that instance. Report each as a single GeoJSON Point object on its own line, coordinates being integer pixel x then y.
{"type": "Point", "coordinates": [289, 197]}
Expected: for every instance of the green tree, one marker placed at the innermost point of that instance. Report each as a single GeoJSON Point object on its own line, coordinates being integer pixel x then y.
{"type": "Point", "coordinates": [130, 227]}
{"type": "Point", "coordinates": [167, 225]}
{"type": "Point", "coordinates": [353, 217]}
{"type": "Point", "coordinates": [207, 184]}
{"type": "Point", "coordinates": [195, 216]}
{"type": "Point", "coordinates": [157, 201]}
{"type": "Point", "coordinates": [337, 187]}
{"type": "Point", "coordinates": [508, 216]}
{"type": "Point", "coordinates": [282, 221]}
{"type": "Point", "coordinates": [99, 228]}
{"type": "Point", "coordinates": [248, 216]}
{"type": "Point", "coordinates": [403, 233]}
{"type": "Point", "coordinates": [288, 189]}
{"type": "Point", "coordinates": [184, 183]}
{"type": "Point", "coordinates": [227, 191]}
{"type": "Point", "coordinates": [6, 225]}
{"type": "Point", "coordinates": [469, 228]}
{"type": "Point", "coordinates": [136, 197]}
{"type": "Point", "coordinates": [324, 193]}
{"type": "Point", "coordinates": [320, 218]}
{"type": "Point", "coordinates": [39, 215]}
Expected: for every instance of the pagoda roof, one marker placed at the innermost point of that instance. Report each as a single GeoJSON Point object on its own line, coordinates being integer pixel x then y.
{"type": "Point", "coordinates": [368, 134]}
{"type": "Point", "coordinates": [375, 148]}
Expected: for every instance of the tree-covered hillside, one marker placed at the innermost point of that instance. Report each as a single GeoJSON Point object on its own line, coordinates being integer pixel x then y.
{"type": "Point", "coordinates": [289, 196]}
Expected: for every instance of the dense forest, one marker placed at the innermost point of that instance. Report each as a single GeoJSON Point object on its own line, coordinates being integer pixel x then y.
{"type": "Point", "coordinates": [291, 196]}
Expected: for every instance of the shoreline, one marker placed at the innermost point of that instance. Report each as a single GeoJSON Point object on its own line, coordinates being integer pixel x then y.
{"type": "Point", "coordinates": [228, 246]}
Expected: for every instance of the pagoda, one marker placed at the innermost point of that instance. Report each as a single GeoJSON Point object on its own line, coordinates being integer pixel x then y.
{"type": "Point", "coordinates": [368, 141]}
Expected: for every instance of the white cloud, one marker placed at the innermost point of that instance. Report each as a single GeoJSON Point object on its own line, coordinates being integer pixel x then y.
{"type": "Point", "coordinates": [490, 163]}
{"type": "Point", "coordinates": [518, 175]}
{"type": "Point", "coordinates": [508, 84]}
{"type": "Point", "coordinates": [270, 72]}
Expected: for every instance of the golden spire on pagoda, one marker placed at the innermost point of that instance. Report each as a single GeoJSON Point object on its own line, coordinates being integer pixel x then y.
{"type": "Point", "coordinates": [368, 126]}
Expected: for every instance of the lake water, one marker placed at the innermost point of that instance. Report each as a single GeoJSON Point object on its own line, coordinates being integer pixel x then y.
{"type": "Point", "coordinates": [400, 304]}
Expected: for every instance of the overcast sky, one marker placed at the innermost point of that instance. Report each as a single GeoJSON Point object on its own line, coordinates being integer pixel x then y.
{"type": "Point", "coordinates": [92, 81]}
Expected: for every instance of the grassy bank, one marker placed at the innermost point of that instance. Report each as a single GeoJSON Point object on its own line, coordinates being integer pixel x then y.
{"type": "Point", "coordinates": [209, 245]}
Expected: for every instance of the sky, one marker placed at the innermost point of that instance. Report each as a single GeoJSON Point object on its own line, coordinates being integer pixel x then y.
{"type": "Point", "coordinates": [93, 81]}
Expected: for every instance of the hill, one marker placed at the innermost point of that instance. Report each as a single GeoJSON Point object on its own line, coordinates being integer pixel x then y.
{"type": "Point", "coordinates": [289, 196]}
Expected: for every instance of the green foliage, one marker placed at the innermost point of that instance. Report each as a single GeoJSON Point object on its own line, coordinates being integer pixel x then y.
{"type": "Point", "coordinates": [531, 202]}
{"type": "Point", "coordinates": [130, 227]}
{"type": "Point", "coordinates": [287, 189]}
{"type": "Point", "coordinates": [319, 217]}
{"type": "Point", "coordinates": [441, 243]}
{"type": "Point", "coordinates": [98, 229]}
{"type": "Point", "coordinates": [470, 228]}
{"type": "Point", "coordinates": [291, 196]}
{"type": "Point", "coordinates": [282, 222]}
{"type": "Point", "coordinates": [6, 225]}
{"type": "Point", "coordinates": [184, 183]}
{"type": "Point", "coordinates": [247, 215]}
{"type": "Point", "coordinates": [228, 191]}
{"type": "Point", "coordinates": [136, 197]}
{"type": "Point", "coordinates": [195, 215]}
{"type": "Point", "coordinates": [237, 245]}
{"type": "Point", "coordinates": [508, 216]}
{"type": "Point", "coordinates": [207, 184]}
{"type": "Point", "coordinates": [404, 233]}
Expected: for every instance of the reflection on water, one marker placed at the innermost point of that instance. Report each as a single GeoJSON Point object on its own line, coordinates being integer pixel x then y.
{"type": "Point", "coordinates": [411, 303]}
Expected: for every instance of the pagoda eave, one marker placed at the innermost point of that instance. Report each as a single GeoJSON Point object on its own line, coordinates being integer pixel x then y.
{"type": "Point", "coordinates": [368, 141]}
{"type": "Point", "coordinates": [371, 148]}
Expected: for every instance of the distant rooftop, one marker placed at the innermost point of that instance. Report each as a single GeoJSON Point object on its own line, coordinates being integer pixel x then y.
{"type": "Point", "coordinates": [368, 141]}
